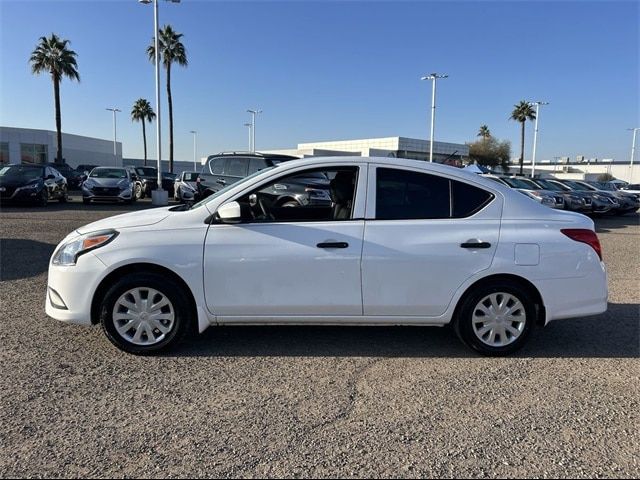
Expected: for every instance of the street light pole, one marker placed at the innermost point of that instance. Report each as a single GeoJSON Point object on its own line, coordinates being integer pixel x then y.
{"type": "Point", "coordinates": [250, 140]}
{"type": "Point", "coordinates": [433, 77]}
{"type": "Point", "coordinates": [253, 128]}
{"type": "Point", "coordinates": [194, 149]}
{"type": "Point", "coordinates": [633, 152]}
{"type": "Point", "coordinates": [535, 135]}
{"type": "Point", "coordinates": [115, 151]}
{"type": "Point", "coordinates": [159, 197]}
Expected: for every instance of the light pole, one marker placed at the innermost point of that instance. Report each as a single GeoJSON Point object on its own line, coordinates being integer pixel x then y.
{"type": "Point", "coordinates": [250, 131]}
{"type": "Point", "coordinates": [433, 77]}
{"type": "Point", "coordinates": [253, 128]}
{"type": "Point", "coordinates": [535, 135]}
{"type": "Point", "coordinates": [115, 151]}
{"type": "Point", "coordinates": [159, 197]}
{"type": "Point", "coordinates": [633, 152]}
{"type": "Point", "coordinates": [194, 149]}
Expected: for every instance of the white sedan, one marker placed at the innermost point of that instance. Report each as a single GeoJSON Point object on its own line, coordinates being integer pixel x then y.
{"type": "Point", "coordinates": [402, 242]}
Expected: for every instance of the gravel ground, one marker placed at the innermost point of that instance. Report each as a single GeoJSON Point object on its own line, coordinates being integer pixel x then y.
{"type": "Point", "coordinates": [312, 401]}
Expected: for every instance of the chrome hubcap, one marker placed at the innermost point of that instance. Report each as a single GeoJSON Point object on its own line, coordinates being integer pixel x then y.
{"type": "Point", "coordinates": [499, 319]}
{"type": "Point", "coordinates": [143, 316]}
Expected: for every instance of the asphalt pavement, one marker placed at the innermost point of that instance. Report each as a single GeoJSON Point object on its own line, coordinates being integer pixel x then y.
{"type": "Point", "coordinates": [312, 401]}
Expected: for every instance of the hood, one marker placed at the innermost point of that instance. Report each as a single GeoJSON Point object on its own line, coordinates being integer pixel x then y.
{"type": "Point", "coordinates": [127, 220]}
{"type": "Point", "coordinates": [106, 182]}
{"type": "Point", "coordinates": [15, 181]}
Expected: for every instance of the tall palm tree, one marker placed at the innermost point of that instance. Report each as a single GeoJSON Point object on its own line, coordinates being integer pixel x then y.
{"type": "Point", "coordinates": [484, 132]}
{"type": "Point", "coordinates": [521, 113]}
{"type": "Point", "coordinates": [142, 112]}
{"type": "Point", "coordinates": [172, 51]}
{"type": "Point", "coordinates": [52, 56]}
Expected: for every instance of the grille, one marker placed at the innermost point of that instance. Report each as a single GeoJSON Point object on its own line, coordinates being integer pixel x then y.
{"type": "Point", "coordinates": [587, 201]}
{"type": "Point", "coordinates": [105, 191]}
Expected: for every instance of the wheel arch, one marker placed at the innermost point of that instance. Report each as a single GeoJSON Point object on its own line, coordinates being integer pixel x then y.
{"type": "Point", "coordinates": [508, 277]}
{"type": "Point", "coordinates": [139, 267]}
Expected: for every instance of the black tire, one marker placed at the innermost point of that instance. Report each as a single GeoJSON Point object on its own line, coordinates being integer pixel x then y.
{"type": "Point", "coordinates": [64, 197]}
{"type": "Point", "coordinates": [137, 191]}
{"type": "Point", "coordinates": [176, 195]}
{"type": "Point", "coordinates": [43, 200]}
{"type": "Point", "coordinates": [463, 323]}
{"type": "Point", "coordinates": [183, 317]}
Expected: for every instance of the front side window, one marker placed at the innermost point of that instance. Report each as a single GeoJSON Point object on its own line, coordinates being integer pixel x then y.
{"type": "Point", "coordinates": [317, 195]}
{"type": "Point", "coordinates": [216, 166]}
{"type": "Point", "coordinates": [256, 164]}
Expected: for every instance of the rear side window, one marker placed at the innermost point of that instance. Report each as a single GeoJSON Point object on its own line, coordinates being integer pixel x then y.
{"type": "Point", "coordinates": [467, 199]}
{"type": "Point", "coordinates": [236, 167]}
{"type": "Point", "coordinates": [407, 195]}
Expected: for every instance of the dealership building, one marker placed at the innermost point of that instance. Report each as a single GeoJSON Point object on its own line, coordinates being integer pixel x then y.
{"type": "Point", "coordinates": [399, 147]}
{"type": "Point", "coordinates": [27, 145]}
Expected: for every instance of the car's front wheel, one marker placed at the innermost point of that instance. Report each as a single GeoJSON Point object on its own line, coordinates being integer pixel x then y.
{"type": "Point", "coordinates": [496, 318]}
{"type": "Point", "coordinates": [137, 191]}
{"type": "Point", "coordinates": [144, 313]}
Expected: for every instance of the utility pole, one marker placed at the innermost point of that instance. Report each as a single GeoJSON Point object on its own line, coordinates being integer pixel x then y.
{"type": "Point", "coordinates": [433, 77]}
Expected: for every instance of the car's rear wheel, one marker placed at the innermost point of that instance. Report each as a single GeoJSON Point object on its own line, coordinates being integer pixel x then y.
{"type": "Point", "coordinates": [144, 313]}
{"type": "Point", "coordinates": [496, 318]}
{"type": "Point", "coordinates": [137, 192]}
{"type": "Point", "coordinates": [43, 199]}
{"type": "Point", "coordinates": [64, 196]}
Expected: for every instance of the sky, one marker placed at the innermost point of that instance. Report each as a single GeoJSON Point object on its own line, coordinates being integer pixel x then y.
{"type": "Point", "coordinates": [336, 70]}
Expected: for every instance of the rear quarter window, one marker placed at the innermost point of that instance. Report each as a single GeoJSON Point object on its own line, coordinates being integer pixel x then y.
{"type": "Point", "coordinates": [468, 199]}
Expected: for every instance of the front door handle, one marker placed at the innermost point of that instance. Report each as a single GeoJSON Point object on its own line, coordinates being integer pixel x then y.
{"type": "Point", "coordinates": [221, 181]}
{"type": "Point", "coordinates": [475, 244]}
{"type": "Point", "coordinates": [332, 245]}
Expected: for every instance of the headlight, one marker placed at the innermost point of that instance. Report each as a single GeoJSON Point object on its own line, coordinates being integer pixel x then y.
{"type": "Point", "coordinates": [88, 184]}
{"type": "Point", "coordinates": [31, 186]}
{"type": "Point", "coordinates": [68, 253]}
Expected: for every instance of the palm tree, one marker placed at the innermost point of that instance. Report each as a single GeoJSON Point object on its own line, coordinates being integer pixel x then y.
{"type": "Point", "coordinates": [171, 50]}
{"type": "Point", "coordinates": [521, 113]}
{"type": "Point", "coordinates": [484, 132]}
{"type": "Point", "coordinates": [52, 56]}
{"type": "Point", "coordinates": [142, 112]}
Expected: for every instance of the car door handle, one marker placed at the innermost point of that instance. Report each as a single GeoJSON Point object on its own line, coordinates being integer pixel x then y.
{"type": "Point", "coordinates": [475, 244]}
{"type": "Point", "coordinates": [221, 181]}
{"type": "Point", "coordinates": [332, 245]}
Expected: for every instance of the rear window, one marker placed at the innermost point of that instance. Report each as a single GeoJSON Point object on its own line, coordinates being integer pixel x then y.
{"type": "Point", "coordinates": [236, 167]}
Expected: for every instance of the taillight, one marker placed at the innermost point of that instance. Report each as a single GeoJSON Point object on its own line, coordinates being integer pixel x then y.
{"type": "Point", "coordinates": [585, 236]}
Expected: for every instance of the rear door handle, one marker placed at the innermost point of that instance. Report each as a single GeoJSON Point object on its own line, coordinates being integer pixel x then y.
{"type": "Point", "coordinates": [332, 245]}
{"type": "Point", "coordinates": [475, 244]}
{"type": "Point", "coordinates": [221, 181]}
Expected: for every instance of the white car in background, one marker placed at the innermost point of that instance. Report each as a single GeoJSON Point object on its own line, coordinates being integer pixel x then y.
{"type": "Point", "coordinates": [403, 243]}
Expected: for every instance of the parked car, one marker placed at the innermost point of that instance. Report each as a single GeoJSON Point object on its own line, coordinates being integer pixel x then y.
{"type": "Point", "coordinates": [629, 201]}
{"type": "Point", "coordinates": [403, 242]}
{"type": "Point", "coordinates": [612, 203]}
{"type": "Point", "coordinates": [186, 187]}
{"type": "Point", "coordinates": [543, 198]}
{"type": "Point", "coordinates": [226, 168]}
{"type": "Point", "coordinates": [572, 201]}
{"type": "Point", "coordinates": [149, 179]}
{"type": "Point", "coordinates": [32, 183]}
{"type": "Point", "coordinates": [73, 178]}
{"type": "Point", "coordinates": [598, 204]}
{"type": "Point", "coordinates": [631, 187]}
{"type": "Point", "coordinates": [137, 182]}
{"type": "Point", "coordinates": [109, 184]}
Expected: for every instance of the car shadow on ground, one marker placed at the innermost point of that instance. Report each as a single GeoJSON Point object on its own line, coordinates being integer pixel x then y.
{"type": "Point", "coordinates": [22, 258]}
{"type": "Point", "coordinates": [614, 334]}
{"type": "Point", "coordinates": [607, 223]}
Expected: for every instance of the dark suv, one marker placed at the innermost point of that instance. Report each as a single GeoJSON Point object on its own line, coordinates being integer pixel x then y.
{"type": "Point", "coordinates": [148, 177]}
{"type": "Point", "coordinates": [227, 168]}
{"type": "Point", "coordinates": [74, 179]}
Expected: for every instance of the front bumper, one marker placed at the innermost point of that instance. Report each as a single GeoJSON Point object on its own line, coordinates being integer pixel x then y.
{"type": "Point", "coordinates": [73, 287]}
{"type": "Point", "coordinates": [21, 195]}
{"type": "Point", "coordinates": [122, 196]}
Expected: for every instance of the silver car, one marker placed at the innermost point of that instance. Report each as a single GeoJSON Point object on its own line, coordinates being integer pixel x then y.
{"type": "Point", "coordinates": [187, 187]}
{"type": "Point", "coordinates": [108, 184]}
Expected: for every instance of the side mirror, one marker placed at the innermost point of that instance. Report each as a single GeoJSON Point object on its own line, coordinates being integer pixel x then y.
{"type": "Point", "coordinates": [230, 213]}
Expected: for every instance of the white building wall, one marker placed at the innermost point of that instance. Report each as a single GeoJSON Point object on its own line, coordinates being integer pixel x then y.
{"type": "Point", "coordinates": [76, 149]}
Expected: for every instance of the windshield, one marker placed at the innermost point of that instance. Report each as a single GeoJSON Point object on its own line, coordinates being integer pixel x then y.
{"type": "Point", "coordinates": [20, 171]}
{"type": "Point", "coordinates": [548, 185]}
{"type": "Point", "coordinates": [229, 187]}
{"type": "Point", "coordinates": [146, 171]}
{"type": "Point", "coordinates": [517, 183]}
{"type": "Point", "coordinates": [108, 173]}
{"type": "Point", "coordinates": [578, 186]}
